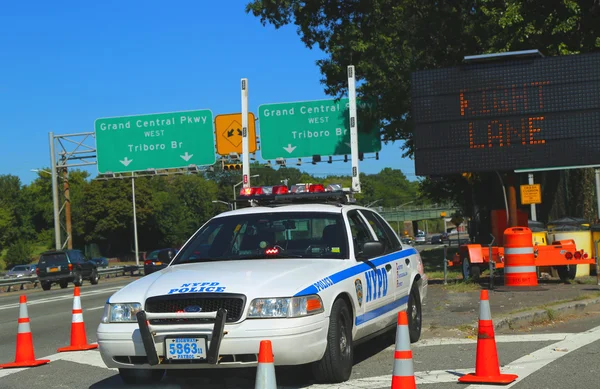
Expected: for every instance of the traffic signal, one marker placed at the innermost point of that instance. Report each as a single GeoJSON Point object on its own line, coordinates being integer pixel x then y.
{"type": "Point", "coordinates": [232, 166]}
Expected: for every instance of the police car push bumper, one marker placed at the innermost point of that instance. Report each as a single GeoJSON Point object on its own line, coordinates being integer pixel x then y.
{"type": "Point", "coordinates": [146, 331]}
{"type": "Point", "coordinates": [121, 345]}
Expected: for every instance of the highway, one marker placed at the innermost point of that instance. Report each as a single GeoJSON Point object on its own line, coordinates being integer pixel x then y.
{"type": "Point", "coordinates": [564, 355]}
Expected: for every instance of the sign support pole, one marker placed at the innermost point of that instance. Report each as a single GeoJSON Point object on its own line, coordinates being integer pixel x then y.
{"type": "Point", "coordinates": [353, 129]}
{"type": "Point", "coordinates": [135, 234]}
{"type": "Point", "coordinates": [597, 172]}
{"type": "Point", "coordinates": [54, 193]}
{"type": "Point", "coordinates": [533, 210]}
{"type": "Point", "coordinates": [245, 147]}
{"type": "Point", "coordinates": [512, 201]}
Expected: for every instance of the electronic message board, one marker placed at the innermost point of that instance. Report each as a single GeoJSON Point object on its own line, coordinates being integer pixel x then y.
{"type": "Point", "coordinates": [502, 116]}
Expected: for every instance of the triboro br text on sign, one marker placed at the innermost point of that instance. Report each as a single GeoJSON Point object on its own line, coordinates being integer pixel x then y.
{"type": "Point", "coordinates": [155, 141]}
{"type": "Point", "coordinates": [304, 129]}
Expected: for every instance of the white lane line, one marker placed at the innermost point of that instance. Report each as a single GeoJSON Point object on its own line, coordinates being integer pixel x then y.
{"type": "Point", "coordinates": [529, 364]}
{"type": "Point", "coordinates": [499, 339]}
{"type": "Point", "coordinates": [90, 357]}
{"type": "Point", "coordinates": [95, 308]}
{"type": "Point", "coordinates": [60, 298]}
{"type": "Point", "coordinates": [523, 367]}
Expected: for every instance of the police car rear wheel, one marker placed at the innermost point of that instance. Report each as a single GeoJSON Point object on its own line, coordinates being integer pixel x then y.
{"type": "Point", "coordinates": [414, 314]}
{"type": "Point", "coordinates": [141, 376]}
{"type": "Point", "coordinates": [336, 364]}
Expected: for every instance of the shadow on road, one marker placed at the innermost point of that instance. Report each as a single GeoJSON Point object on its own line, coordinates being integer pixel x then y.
{"type": "Point", "coordinates": [243, 378]}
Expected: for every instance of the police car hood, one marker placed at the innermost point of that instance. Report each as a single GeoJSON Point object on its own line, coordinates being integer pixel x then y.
{"type": "Point", "coordinates": [253, 278]}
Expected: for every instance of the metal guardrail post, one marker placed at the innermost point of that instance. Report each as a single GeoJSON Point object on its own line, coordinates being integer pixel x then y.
{"type": "Point", "coordinates": [445, 265]}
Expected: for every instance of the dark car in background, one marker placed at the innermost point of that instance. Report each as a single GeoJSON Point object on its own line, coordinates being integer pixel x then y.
{"type": "Point", "coordinates": [153, 263]}
{"type": "Point", "coordinates": [64, 266]}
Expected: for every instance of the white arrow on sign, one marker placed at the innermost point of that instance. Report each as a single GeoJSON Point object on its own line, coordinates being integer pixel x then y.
{"type": "Point", "coordinates": [290, 148]}
{"type": "Point", "coordinates": [126, 161]}
{"type": "Point", "coordinates": [187, 156]}
{"type": "Point", "coordinates": [348, 143]}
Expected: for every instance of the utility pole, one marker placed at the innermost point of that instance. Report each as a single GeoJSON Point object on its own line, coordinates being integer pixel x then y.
{"type": "Point", "coordinates": [57, 244]}
{"type": "Point", "coordinates": [67, 204]}
{"type": "Point", "coordinates": [135, 234]}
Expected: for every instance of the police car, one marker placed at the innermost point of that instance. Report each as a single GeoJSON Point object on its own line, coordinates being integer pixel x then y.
{"type": "Point", "coordinates": [311, 272]}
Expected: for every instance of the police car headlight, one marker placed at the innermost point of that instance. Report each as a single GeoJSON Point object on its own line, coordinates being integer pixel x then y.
{"type": "Point", "coordinates": [285, 307]}
{"type": "Point", "coordinates": [122, 313]}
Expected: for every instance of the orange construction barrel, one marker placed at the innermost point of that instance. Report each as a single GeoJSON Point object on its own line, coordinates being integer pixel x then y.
{"type": "Point", "coordinates": [519, 260]}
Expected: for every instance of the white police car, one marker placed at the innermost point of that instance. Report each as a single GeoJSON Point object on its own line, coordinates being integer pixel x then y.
{"type": "Point", "coordinates": [310, 272]}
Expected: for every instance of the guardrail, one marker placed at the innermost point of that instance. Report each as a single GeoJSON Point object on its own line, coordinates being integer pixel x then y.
{"type": "Point", "coordinates": [9, 283]}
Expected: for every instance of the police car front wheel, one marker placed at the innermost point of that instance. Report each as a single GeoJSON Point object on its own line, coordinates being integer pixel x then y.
{"type": "Point", "coordinates": [336, 364]}
{"type": "Point", "coordinates": [414, 314]}
{"type": "Point", "coordinates": [141, 376]}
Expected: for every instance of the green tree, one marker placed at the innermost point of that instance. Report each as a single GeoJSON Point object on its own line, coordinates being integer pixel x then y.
{"type": "Point", "coordinates": [389, 39]}
{"type": "Point", "coordinates": [18, 253]}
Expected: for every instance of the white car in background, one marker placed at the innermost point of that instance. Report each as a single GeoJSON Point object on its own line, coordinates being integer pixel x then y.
{"type": "Point", "coordinates": [314, 278]}
{"type": "Point", "coordinates": [421, 239]}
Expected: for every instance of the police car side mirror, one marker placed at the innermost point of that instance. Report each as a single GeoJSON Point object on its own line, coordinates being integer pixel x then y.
{"type": "Point", "coordinates": [372, 249]}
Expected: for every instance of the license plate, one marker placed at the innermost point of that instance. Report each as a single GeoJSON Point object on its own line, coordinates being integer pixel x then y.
{"type": "Point", "coordinates": [185, 348]}
{"type": "Point", "coordinates": [53, 269]}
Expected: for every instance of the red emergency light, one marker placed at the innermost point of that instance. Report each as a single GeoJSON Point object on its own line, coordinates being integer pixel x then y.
{"type": "Point", "coordinates": [284, 190]}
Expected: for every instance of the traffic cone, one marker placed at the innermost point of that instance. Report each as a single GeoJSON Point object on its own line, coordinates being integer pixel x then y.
{"type": "Point", "coordinates": [487, 367]}
{"type": "Point", "coordinates": [403, 376]}
{"type": "Point", "coordinates": [25, 355]}
{"type": "Point", "coordinates": [78, 338]}
{"type": "Point", "coordinates": [265, 372]}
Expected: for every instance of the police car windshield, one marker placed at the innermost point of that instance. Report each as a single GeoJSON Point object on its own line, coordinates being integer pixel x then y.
{"type": "Point", "coordinates": [268, 235]}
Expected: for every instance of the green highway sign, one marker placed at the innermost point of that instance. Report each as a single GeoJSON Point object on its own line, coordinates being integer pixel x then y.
{"type": "Point", "coordinates": [307, 128]}
{"type": "Point", "coordinates": [155, 141]}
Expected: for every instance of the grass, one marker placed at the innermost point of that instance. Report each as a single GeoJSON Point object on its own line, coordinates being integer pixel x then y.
{"type": "Point", "coordinates": [458, 286]}
{"type": "Point", "coordinates": [558, 302]}
{"type": "Point", "coordinates": [433, 263]}
{"type": "Point", "coordinates": [590, 280]}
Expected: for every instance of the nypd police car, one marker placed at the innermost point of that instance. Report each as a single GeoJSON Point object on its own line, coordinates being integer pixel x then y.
{"type": "Point", "coordinates": [311, 272]}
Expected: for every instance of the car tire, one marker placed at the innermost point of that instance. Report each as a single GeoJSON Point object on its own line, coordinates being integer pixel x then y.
{"type": "Point", "coordinates": [63, 284]}
{"type": "Point", "coordinates": [94, 277]}
{"type": "Point", "coordinates": [141, 376]}
{"type": "Point", "coordinates": [77, 279]}
{"type": "Point", "coordinates": [413, 311]}
{"type": "Point", "coordinates": [566, 272]}
{"type": "Point", "coordinates": [46, 285]}
{"type": "Point", "coordinates": [336, 364]}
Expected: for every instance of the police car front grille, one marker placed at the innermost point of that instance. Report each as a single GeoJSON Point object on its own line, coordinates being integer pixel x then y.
{"type": "Point", "coordinates": [233, 303]}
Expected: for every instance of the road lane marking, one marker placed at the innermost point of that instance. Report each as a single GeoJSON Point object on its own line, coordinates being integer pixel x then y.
{"type": "Point", "coordinates": [90, 357]}
{"type": "Point", "coordinates": [63, 297]}
{"type": "Point", "coordinates": [499, 339]}
{"type": "Point", "coordinates": [95, 308]}
{"type": "Point", "coordinates": [523, 367]}
{"type": "Point", "coordinates": [529, 364]}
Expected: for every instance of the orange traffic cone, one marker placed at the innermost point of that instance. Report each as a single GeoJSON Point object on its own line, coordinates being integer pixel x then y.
{"type": "Point", "coordinates": [265, 372]}
{"type": "Point", "coordinates": [78, 338]}
{"type": "Point", "coordinates": [487, 367]}
{"type": "Point", "coordinates": [403, 376]}
{"type": "Point", "coordinates": [25, 354]}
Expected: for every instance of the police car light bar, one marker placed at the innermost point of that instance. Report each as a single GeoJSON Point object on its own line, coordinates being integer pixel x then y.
{"type": "Point", "coordinates": [298, 192]}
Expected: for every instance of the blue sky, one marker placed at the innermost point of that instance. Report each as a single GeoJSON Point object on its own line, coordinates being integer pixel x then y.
{"type": "Point", "coordinates": [65, 64]}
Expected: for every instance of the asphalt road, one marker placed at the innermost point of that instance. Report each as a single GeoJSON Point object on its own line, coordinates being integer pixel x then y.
{"type": "Point", "coordinates": [50, 314]}
{"type": "Point", "coordinates": [563, 355]}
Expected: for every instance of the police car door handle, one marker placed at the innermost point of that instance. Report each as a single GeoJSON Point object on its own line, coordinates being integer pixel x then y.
{"type": "Point", "coordinates": [407, 261]}
{"type": "Point", "coordinates": [388, 267]}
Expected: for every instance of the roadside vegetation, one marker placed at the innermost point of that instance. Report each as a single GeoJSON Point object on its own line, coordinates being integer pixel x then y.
{"type": "Point", "coordinates": [169, 208]}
